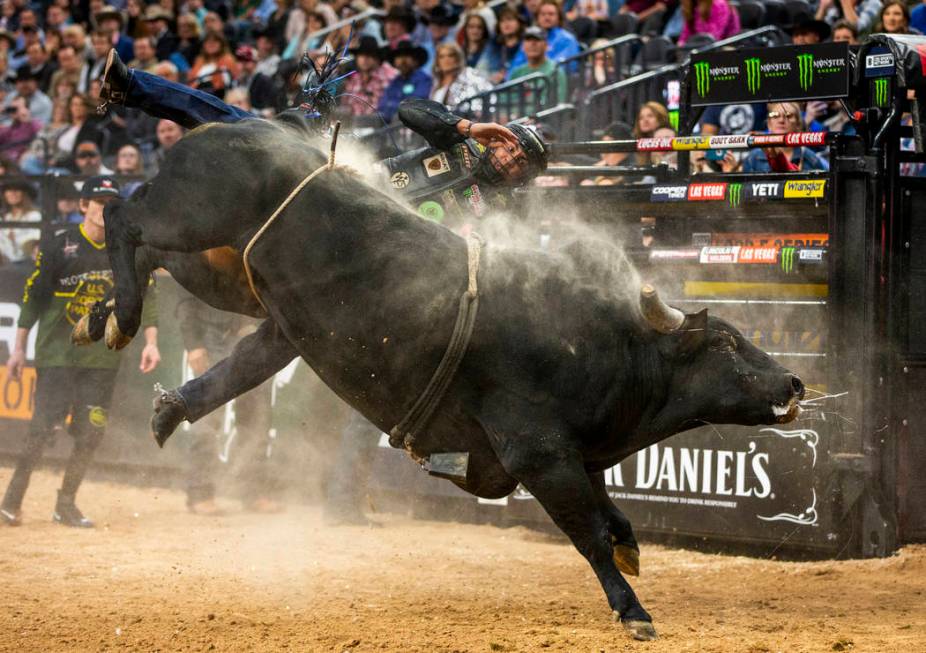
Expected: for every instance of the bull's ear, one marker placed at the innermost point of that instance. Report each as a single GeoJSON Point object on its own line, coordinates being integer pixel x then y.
{"type": "Point", "coordinates": [692, 332]}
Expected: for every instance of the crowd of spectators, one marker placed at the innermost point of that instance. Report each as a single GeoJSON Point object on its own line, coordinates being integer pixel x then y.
{"type": "Point", "coordinates": [249, 53]}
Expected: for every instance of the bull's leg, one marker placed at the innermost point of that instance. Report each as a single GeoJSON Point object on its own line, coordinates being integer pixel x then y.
{"type": "Point", "coordinates": [122, 241]}
{"type": "Point", "coordinates": [626, 550]}
{"type": "Point", "coordinates": [255, 358]}
{"type": "Point", "coordinates": [553, 471]}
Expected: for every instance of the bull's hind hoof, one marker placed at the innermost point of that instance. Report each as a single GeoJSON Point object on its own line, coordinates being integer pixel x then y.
{"type": "Point", "coordinates": [80, 334]}
{"type": "Point", "coordinates": [640, 630]}
{"type": "Point", "coordinates": [115, 339]}
{"type": "Point", "coordinates": [169, 412]}
{"type": "Point", "coordinates": [627, 559]}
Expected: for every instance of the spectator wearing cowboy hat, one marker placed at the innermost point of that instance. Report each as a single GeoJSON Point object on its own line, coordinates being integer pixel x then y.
{"type": "Point", "coordinates": [440, 25]}
{"type": "Point", "coordinates": [27, 87]}
{"type": "Point", "coordinates": [398, 24]}
{"type": "Point", "coordinates": [260, 88]}
{"type": "Point", "coordinates": [111, 20]}
{"type": "Point", "coordinates": [18, 198]}
{"type": "Point", "coordinates": [16, 137]}
{"type": "Point", "coordinates": [158, 22]}
{"type": "Point", "coordinates": [364, 89]}
{"type": "Point", "coordinates": [809, 31]}
{"type": "Point", "coordinates": [411, 81]}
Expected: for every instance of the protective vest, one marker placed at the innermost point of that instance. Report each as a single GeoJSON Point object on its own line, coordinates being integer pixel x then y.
{"type": "Point", "coordinates": [440, 184]}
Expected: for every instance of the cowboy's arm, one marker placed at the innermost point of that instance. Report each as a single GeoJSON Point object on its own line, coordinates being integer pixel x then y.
{"type": "Point", "coordinates": [442, 129]}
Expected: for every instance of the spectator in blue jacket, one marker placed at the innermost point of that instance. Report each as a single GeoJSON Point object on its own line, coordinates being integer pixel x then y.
{"type": "Point", "coordinates": [412, 80]}
{"type": "Point", "coordinates": [560, 43]}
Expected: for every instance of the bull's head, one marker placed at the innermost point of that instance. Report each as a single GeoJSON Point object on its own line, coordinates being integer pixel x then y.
{"type": "Point", "coordinates": [718, 375]}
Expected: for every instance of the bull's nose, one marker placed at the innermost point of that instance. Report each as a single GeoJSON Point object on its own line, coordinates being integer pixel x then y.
{"type": "Point", "coordinates": [797, 386]}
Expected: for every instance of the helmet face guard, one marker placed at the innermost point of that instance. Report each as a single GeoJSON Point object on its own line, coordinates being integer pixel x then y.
{"type": "Point", "coordinates": [491, 169]}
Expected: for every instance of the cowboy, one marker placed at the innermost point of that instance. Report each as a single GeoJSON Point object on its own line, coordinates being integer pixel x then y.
{"type": "Point", "coordinates": [364, 89]}
{"type": "Point", "coordinates": [465, 171]}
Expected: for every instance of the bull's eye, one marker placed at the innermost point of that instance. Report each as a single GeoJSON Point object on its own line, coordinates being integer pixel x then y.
{"type": "Point", "coordinates": [721, 341]}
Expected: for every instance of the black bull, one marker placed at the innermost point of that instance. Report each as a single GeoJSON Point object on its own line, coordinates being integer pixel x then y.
{"type": "Point", "coordinates": [562, 379]}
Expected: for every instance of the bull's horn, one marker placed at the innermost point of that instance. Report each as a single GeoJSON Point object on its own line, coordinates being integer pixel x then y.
{"type": "Point", "coordinates": [660, 315]}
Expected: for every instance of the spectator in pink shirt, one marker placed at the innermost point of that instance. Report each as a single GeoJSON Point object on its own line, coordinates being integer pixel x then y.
{"type": "Point", "coordinates": [714, 17]}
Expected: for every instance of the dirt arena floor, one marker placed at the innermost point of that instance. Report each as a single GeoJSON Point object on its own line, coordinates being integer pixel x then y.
{"type": "Point", "coordinates": [154, 578]}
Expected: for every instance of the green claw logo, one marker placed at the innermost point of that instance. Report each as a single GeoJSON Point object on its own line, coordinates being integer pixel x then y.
{"type": "Point", "coordinates": [703, 77]}
{"type": "Point", "coordinates": [787, 259]}
{"type": "Point", "coordinates": [735, 194]}
{"type": "Point", "coordinates": [805, 69]}
{"type": "Point", "coordinates": [881, 87]}
{"type": "Point", "coordinates": [753, 74]}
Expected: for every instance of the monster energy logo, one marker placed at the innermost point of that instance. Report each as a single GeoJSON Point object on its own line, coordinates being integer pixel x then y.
{"type": "Point", "coordinates": [735, 194]}
{"type": "Point", "coordinates": [805, 70]}
{"type": "Point", "coordinates": [753, 74]}
{"type": "Point", "coordinates": [703, 77]}
{"type": "Point", "coordinates": [787, 259]}
{"type": "Point", "coordinates": [881, 86]}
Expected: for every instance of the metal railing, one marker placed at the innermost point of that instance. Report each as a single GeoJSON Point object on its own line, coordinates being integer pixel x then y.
{"type": "Point", "coordinates": [524, 96]}
{"type": "Point", "coordinates": [606, 64]}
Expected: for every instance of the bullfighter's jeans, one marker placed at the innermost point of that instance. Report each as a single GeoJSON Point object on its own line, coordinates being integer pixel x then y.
{"type": "Point", "coordinates": [188, 107]}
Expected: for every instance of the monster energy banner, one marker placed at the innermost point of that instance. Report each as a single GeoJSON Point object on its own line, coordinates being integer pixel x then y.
{"type": "Point", "coordinates": [761, 75]}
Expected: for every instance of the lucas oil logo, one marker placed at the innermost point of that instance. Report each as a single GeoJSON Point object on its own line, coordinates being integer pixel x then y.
{"type": "Point", "coordinates": [705, 74]}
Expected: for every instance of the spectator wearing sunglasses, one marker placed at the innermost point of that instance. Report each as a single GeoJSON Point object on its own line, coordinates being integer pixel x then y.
{"type": "Point", "coordinates": [88, 160]}
{"type": "Point", "coordinates": [784, 118]}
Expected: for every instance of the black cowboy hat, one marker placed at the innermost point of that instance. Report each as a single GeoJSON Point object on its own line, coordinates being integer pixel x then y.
{"type": "Point", "coordinates": [368, 46]}
{"type": "Point", "coordinates": [409, 48]}
{"type": "Point", "coordinates": [402, 15]}
{"type": "Point", "coordinates": [440, 15]}
{"type": "Point", "coordinates": [23, 73]}
{"type": "Point", "coordinates": [819, 27]}
{"type": "Point", "coordinates": [19, 183]}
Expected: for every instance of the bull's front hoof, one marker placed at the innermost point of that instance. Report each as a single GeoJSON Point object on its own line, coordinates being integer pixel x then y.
{"type": "Point", "coordinates": [640, 630]}
{"type": "Point", "coordinates": [627, 559]}
{"type": "Point", "coordinates": [80, 334]}
{"type": "Point", "coordinates": [115, 339]}
{"type": "Point", "coordinates": [169, 412]}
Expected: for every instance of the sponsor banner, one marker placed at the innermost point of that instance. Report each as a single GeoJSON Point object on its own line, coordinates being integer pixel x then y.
{"type": "Point", "coordinates": [670, 193]}
{"type": "Point", "coordinates": [767, 139]}
{"type": "Point", "coordinates": [811, 254]}
{"type": "Point", "coordinates": [687, 254]}
{"type": "Point", "coordinates": [880, 91]}
{"type": "Point", "coordinates": [18, 394]}
{"type": "Point", "coordinates": [725, 142]}
{"type": "Point", "coordinates": [800, 72]}
{"type": "Point", "coordinates": [805, 188]}
{"type": "Point", "coordinates": [767, 255]}
{"type": "Point", "coordinates": [719, 254]}
{"type": "Point", "coordinates": [879, 63]}
{"type": "Point", "coordinates": [770, 239]}
{"type": "Point", "coordinates": [812, 139]}
{"type": "Point", "coordinates": [707, 192]}
{"type": "Point", "coordinates": [691, 143]}
{"type": "Point", "coordinates": [764, 190]}
{"type": "Point", "coordinates": [654, 144]}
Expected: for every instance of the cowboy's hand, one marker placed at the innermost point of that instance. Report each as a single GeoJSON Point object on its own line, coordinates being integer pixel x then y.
{"type": "Point", "coordinates": [487, 133]}
{"type": "Point", "coordinates": [14, 366]}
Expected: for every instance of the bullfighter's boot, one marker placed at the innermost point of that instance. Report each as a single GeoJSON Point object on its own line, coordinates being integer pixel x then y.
{"type": "Point", "coordinates": [68, 514]}
{"type": "Point", "coordinates": [115, 82]}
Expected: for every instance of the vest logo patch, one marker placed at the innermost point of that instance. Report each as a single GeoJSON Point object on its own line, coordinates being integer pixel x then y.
{"type": "Point", "coordinates": [437, 164]}
{"type": "Point", "coordinates": [399, 180]}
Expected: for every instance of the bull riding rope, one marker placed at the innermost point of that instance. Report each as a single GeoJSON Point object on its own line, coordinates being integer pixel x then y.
{"type": "Point", "coordinates": [298, 189]}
